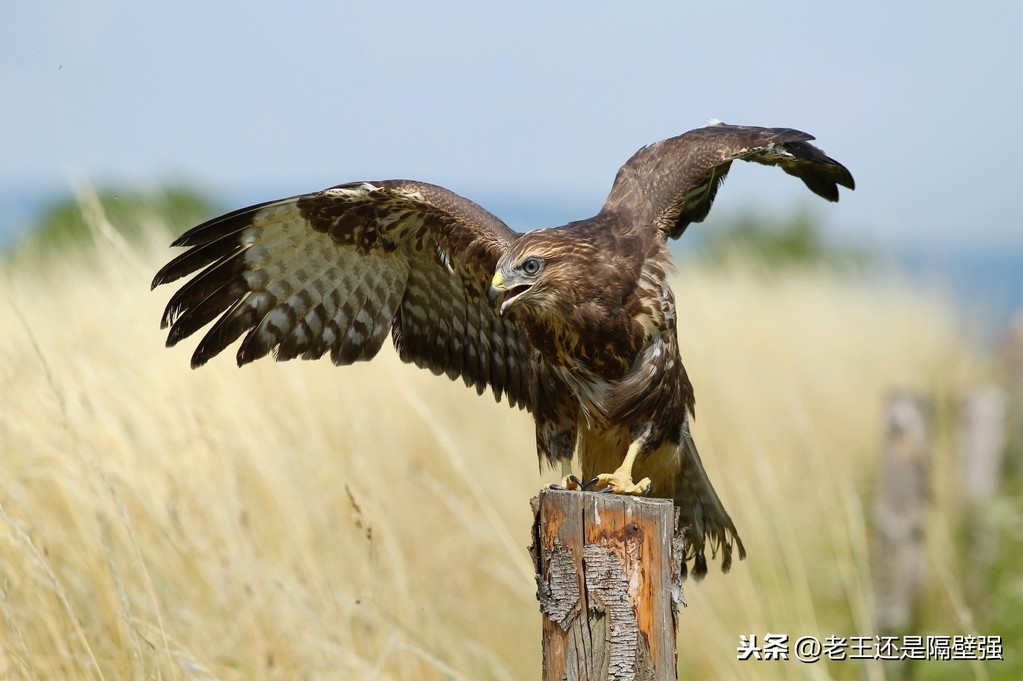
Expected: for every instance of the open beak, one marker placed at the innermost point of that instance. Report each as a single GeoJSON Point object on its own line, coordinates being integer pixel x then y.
{"type": "Point", "coordinates": [499, 287]}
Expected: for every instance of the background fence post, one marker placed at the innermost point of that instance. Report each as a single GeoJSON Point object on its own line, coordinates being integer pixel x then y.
{"type": "Point", "coordinates": [607, 569]}
{"type": "Point", "coordinates": [983, 437]}
{"type": "Point", "coordinates": [898, 555]}
{"type": "Point", "coordinates": [983, 434]}
{"type": "Point", "coordinates": [1012, 366]}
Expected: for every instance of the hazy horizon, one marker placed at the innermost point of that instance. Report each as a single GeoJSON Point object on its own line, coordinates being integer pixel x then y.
{"type": "Point", "coordinates": [530, 100]}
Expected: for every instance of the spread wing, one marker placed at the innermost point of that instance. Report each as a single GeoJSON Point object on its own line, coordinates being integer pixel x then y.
{"type": "Point", "coordinates": [338, 270]}
{"type": "Point", "coordinates": [673, 183]}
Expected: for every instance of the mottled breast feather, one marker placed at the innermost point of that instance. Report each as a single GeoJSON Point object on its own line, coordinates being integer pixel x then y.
{"type": "Point", "coordinates": [338, 270]}
{"type": "Point", "coordinates": [589, 342]}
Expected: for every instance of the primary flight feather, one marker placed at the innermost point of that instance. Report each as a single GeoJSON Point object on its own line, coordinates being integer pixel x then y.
{"type": "Point", "coordinates": [577, 323]}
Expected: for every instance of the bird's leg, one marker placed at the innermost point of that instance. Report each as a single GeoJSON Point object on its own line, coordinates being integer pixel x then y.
{"type": "Point", "coordinates": [569, 481]}
{"type": "Point", "coordinates": [620, 482]}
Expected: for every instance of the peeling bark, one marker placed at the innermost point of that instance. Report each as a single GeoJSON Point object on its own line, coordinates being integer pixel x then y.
{"type": "Point", "coordinates": [608, 603]}
{"type": "Point", "coordinates": [559, 593]}
{"type": "Point", "coordinates": [608, 582]}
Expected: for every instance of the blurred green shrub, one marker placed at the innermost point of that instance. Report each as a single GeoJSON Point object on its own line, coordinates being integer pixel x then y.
{"type": "Point", "coordinates": [70, 221]}
{"type": "Point", "coordinates": [776, 243]}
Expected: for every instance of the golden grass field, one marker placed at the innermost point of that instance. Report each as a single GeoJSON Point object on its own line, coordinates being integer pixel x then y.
{"type": "Point", "coordinates": [301, 521]}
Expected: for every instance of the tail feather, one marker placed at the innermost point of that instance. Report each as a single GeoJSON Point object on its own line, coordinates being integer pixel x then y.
{"type": "Point", "coordinates": [702, 517]}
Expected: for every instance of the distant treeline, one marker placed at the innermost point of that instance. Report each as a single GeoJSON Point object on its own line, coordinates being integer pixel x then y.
{"type": "Point", "coordinates": [68, 221]}
{"type": "Point", "coordinates": [772, 241]}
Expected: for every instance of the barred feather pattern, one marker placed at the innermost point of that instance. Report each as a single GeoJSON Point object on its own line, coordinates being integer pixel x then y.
{"type": "Point", "coordinates": [337, 271]}
{"type": "Point", "coordinates": [588, 341]}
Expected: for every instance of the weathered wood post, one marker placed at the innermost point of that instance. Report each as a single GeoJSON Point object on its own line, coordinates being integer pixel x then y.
{"type": "Point", "coordinates": [607, 571]}
{"type": "Point", "coordinates": [983, 439]}
{"type": "Point", "coordinates": [898, 556]}
{"type": "Point", "coordinates": [983, 435]}
{"type": "Point", "coordinates": [1012, 365]}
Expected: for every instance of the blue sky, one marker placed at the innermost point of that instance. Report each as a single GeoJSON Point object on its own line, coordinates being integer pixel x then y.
{"type": "Point", "coordinates": [530, 106]}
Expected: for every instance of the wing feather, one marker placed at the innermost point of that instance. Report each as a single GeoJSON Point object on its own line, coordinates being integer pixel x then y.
{"type": "Point", "coordinates": [196, 259]}
{"type": "Point", "coordinates": [672, 183]}
{"type": "Point", "coordinates": [337, 271]}
{"type": "Point", "coordinates": [205, 311]}
{"type": "Point", "coordinates": [226, 272]}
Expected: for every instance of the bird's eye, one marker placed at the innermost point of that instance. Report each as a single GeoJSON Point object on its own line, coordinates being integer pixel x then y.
{"type": "Point", "coordinates": [531, 265]}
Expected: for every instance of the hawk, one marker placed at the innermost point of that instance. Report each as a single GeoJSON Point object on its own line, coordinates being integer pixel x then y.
{"type": "Point", "coordinates": [576, 324]}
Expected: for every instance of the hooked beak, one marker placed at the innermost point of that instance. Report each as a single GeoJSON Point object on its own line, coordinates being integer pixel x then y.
{"type": "Point", "coordinates": [499, 287]}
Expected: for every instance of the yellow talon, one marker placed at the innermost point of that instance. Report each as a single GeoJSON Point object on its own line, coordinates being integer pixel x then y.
{"type": "Point", "coordinates": [620, 482]}
{"type": "Point", "coordinates": [571, 482]}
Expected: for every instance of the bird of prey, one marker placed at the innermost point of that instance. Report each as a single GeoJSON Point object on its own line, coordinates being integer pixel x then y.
{"type": "Point", "coordinates": [577, 323]}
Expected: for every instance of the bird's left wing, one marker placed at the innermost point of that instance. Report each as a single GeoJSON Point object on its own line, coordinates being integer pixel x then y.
{"type": "Point", "coordinates": [337, 270]}
{"type": "Point", "coordinates": [672, 183]}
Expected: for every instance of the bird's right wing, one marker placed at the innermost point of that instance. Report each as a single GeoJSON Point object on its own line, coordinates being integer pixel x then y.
{"type": "Point", "coordinates": [673, 183]}
{"type": "Point", "coordinates": [337, 270]}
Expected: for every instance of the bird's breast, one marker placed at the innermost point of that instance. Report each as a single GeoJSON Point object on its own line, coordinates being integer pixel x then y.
{"type": "Point", "coordinates": [588, 388]}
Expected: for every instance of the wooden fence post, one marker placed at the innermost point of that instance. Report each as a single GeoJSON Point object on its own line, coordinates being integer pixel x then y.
{"type": "Point", "coordinates": [608, 582]}
{"type": "Point", "coordinates": [983, 433]}
{"type": "Point", "coordinates": [1012, 365]}
{"type": "Point", "coordinates": [983, 439]}
{"type": "Point", "coordinates": [898, 556]}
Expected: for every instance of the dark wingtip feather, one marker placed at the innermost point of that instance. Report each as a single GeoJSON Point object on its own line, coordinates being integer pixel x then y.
{"type": "Point", "coordinates": [787, 135]}
{"type": "Point", "coordinates": [839, 175]}
{"type": "Point", "coordinates": [221, 226]}
{"type": "Point", "coordinates": [699, 570]}
{"type": "Point", "coordinates": [245, 314]}
{"type": "Point", "coordinates": [726, 560]}
{"type": "Point", "coordinates": [819, 172]}
{"type": "Point", "coordinates": [821, 186]}
{"type": "Point", "coordinates": [167, 272]}
{"type": "Point", "coordinates": [187, 319]}
{"type": "Point", "coordinates": [164, 276]}
{"type": "Point", "coordinates": [197, 258]}
{"type": "Point", "coordinates": [726, 549]}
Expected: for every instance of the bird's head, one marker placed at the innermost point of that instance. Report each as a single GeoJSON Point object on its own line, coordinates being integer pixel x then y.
{"type": "Point", "coordinates": [525, 275]}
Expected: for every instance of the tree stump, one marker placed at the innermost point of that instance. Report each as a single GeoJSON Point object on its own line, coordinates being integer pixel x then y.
{"type": "Point", "coordinates": [609, 585]}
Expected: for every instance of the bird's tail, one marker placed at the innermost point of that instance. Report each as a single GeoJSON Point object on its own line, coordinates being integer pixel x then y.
{"type": "Point", "coordinates": [702, 517]}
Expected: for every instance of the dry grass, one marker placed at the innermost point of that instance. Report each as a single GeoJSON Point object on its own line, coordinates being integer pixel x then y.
{"type": "Point", "coordinates": [301, 521]}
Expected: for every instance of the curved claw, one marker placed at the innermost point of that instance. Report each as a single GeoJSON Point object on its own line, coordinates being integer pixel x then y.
{"type": "Point", "coordinates": [571, 482]}
{"type": "Point", "coordinates": [621, 482]}
{"type": "Point", "coordinates": [586, 485]}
